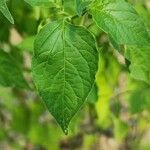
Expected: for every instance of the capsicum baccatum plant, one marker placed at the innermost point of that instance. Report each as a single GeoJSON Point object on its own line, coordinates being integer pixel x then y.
{"type": "Point", "coordinates": [65, 58]}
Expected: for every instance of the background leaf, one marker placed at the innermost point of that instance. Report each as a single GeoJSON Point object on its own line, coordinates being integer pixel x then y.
{"type": "Point", "coordinates": [10, 72]}
{"type": "Point", "coordinates": [81, 6]}
{"type": "Point", "coordinates": [120, 21]}
{"type": "Point", "coordinates": [140, 66]}
{"type": "Point", "coordinates": [5, 11]}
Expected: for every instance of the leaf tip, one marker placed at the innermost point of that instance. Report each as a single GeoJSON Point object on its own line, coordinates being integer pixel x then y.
{"type": "Point", "coordinates": [64, 128]}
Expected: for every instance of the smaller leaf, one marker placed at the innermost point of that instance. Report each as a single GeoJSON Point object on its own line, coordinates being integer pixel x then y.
{"type": "Point", "coordinates": [93, 95]}
{"type": "Point", "coordinates": [81, 6]}
{"type": "Point", "coordinates": [140, 66]}
{"type": "Point", "coordinates": [70, 7]}
{"type": "Point", "coordinates": [5, 11]}
{"type": "Point", "coordinates": [120, 21]}
{"type": "Point", "coordinates": [10, 72]}
{"type": "Point", "coordinates": [136, 102]}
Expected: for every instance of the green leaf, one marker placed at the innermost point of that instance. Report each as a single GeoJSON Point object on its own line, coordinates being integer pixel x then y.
{"type": "Point", "coordinates": [93, 95]}
{"type": "Point", "coordinates": [64, 67]}
{"type": "Point", "coordinates": [5, 11]}
{"type": "Point", "coordinates": [70, 7]}
{"type": "Point", "coordinates": [81, 6]}
{"type": "Point", "coordinates": [139, 99]}
{"type": "Point", "coordinates": [140, 66]}
{"type": "Point", "coordinates": [10, 72]}
{"type": "Point", "coordinates": [136, 102]}
{"type": "Point", "coordinates": [120, 21]}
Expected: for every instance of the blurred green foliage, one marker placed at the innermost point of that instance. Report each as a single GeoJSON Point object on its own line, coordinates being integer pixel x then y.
{"type": "Point", "coordinates": [117, 114]}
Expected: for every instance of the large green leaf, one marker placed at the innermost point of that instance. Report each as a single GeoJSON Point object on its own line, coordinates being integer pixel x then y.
{"type": "Point", "coordinates": [122, 23]}
{"type": "Point", "coordinates": [140, 63]}
{"type": "Point", "coordinates": [64, 67]}
{"type": "Point", "coordinates": [10, 72]}
{"type": "Point", "coordinates": [5, 11]}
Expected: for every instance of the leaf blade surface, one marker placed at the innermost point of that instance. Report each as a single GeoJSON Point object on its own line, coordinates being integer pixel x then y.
{"type": "Point", "coordinates": [64, 68]}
